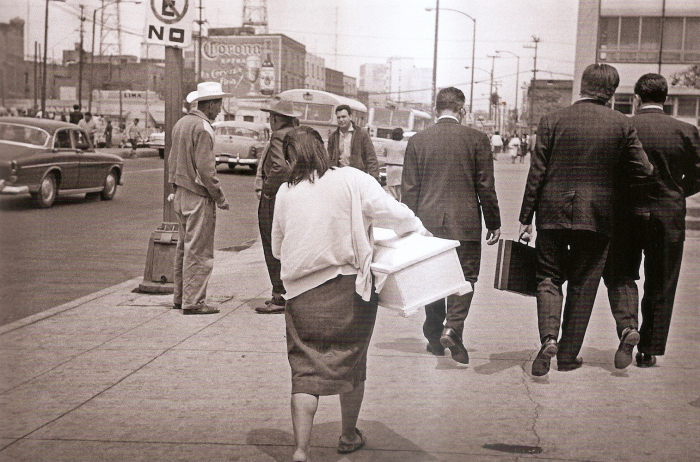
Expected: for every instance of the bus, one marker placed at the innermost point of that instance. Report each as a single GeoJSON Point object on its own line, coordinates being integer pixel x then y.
{"type": "Point", "coordinates": [382, 121]}
{"type": "Point", "coordinates": [318, 109]}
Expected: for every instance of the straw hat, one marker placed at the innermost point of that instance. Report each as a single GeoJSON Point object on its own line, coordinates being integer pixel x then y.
{"type": "Point", "coordinates": [206, 91]}
{"type": "Point", "coordinates": [283, 107]}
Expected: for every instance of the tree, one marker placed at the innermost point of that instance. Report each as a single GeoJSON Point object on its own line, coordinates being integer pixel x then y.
{"type": "Point", "coordinates": [687, 78]}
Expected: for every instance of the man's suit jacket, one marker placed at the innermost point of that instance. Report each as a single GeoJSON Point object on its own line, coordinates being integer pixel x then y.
{"type": "Point", "coordinates": [362, 154]}
{"type": "Point", "coordinates": [571, 179]}
{"type": "Point", "coordinates": [448, 180]}
{"type": "Point", "coordinates": [272, 167]}
{"type": "Point", "coordinates": [673, 148]}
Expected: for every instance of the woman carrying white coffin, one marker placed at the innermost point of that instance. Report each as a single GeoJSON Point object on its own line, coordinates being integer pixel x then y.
{"type": "Point", "coordinates": [321, 234]}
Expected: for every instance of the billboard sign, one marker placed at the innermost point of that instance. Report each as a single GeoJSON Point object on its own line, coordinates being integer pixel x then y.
{"type": "Point", "coordinates": [246, 66]}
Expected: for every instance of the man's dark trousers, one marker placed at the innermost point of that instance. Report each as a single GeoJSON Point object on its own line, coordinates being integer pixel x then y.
{"type": "Point", "coordinates": [663, 253]}
{"type": "Point", "coordinates": [469, 253]}
{"type": "Point", "coordinates": [266, 211]}
{"type": "Point", "coordinates": [578, 257]}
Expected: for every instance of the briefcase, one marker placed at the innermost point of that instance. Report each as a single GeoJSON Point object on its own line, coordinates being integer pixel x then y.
{"type": "Point", "coordinates": [516, 267]}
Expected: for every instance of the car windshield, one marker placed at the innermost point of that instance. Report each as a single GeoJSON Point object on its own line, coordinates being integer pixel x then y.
{"type": "Point", "coordinates": [238, 131]}
{"type": "Point", "coordinates": [24, 134]}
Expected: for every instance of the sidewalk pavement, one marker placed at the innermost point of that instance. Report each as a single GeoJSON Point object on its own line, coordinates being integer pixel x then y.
{"type": "Point", "coordinates": [120, 376]}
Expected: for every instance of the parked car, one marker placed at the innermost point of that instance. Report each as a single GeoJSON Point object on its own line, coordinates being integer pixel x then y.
{"type": "Point", "coordinates": [156, 140]}
{"type": "Point", "coordinates": [47, 158]}
{"type": "Point", "coordinates": [240, 143]}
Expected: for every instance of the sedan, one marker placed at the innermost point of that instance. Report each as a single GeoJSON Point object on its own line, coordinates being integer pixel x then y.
{"type": "Point", "coordinates": [240, 143]}
{"type": "Point", "coordinates": [47, 158]}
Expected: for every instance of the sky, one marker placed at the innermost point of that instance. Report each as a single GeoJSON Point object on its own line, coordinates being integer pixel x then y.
{"type": "Point", "coordinates": [348, 33]}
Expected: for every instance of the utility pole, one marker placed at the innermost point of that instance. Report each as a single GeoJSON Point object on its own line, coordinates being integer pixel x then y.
{"type": "Point", "coordinates": [536, 40]}
{"type": "Point", "coordinates": [36, 65]}
{"type": "Point", "coordinates": [80, 62]}
{"type": "Point", "coordinates": [435, 55]}
{"type": "Point", "coordinates": [199, 43]}
{"type": "Point", "coordinates": [493, 65]}
{"type": "Point", "coordinates": [43, 74]}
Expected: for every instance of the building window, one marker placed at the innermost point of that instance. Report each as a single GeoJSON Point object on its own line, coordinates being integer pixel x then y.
{"type": "Point", "coordinates": [638, 39]}
{"type": "Point", "coordinates": [623, 103]}
{"type": "Point", "coordinates": [687, 106]}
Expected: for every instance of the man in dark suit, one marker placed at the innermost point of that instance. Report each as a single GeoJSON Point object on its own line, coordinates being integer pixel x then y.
{"type": "Point", "coordinates": [448, 181]}
{"type": "Point", "coordinates": [652, 221]}
{"type": "Point", "coordinates": [351, 146]}
{"type": "Point", "coordinates": [570, 188]}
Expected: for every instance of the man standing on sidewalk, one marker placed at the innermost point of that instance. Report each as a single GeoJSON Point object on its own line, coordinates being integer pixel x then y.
{"type": "Point", "coordinates": [133, 135]}
{"type": "Point", "coordinates": [192, 172]}
{"type": "Point", "coordinates": [448, 182]}
{"type": "Point", "coordinates": [652, 223]}
{"type": "Point", "coordinates": [351, 146]}
{"type": "Point", "coordinates": [273, 171]}
{"type": "Point", "coordinates": [570, 188]}
{"type": "Point", "coordinates": [88, 124]}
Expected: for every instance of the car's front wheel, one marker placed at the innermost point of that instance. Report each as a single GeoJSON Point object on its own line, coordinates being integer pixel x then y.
{"type": "Point", "coordinates": [110, 188]}
{"type": "Point", "coordinates": [47, 192]}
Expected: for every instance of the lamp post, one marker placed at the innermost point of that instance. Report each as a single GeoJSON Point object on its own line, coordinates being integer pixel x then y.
{"type": "Point", "coordinates": [517, 80]}
{"type": "Point", "coordinates": [43, 66]}
{"type": "Point", "coordinates": [471, 91]}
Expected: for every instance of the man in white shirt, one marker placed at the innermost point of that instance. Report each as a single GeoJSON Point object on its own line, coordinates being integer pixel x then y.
{"type": "Point", "coordinates": [88, 124]}
{"type": "Point", "coordinates": [496, 144]}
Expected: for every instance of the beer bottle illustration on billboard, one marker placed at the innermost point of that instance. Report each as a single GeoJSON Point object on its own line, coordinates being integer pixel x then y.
{"type": "Point", "coordinates": [267, 73]}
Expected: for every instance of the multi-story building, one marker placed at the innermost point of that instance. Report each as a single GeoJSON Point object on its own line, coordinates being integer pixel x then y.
{"type": "Point", "coordinates": [638, 37]}
{"type": "Point", "coordinates": [315, 72]}
{"type": "Point", "coordinates": [334, 82]}
{"type": "Point", "coordinates": [14, 77]}
{"type": "Point", "coordinates": [349, 86]}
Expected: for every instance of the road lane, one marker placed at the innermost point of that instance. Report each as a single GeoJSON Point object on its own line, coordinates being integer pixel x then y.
{"type": "Point", "coordinates": [52, 256]}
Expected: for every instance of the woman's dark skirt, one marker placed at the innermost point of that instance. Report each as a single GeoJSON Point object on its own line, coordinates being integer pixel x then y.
{"type": "Point", "coordinates": [328, 332]}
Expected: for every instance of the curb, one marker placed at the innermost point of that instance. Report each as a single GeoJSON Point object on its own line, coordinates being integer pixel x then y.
{"type": "Point", "coordinates": [20, 323]}
{"type": "Point", "coordinates": [128, 153]}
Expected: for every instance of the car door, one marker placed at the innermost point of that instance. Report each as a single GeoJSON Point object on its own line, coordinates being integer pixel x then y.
{"type": "Point", "coordinates": [65, 157]}
{"type": "Point", "coordinates": [92, 171]}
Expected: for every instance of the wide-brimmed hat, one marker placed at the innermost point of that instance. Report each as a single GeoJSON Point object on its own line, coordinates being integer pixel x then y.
{"type": "Point", "coordinates": [283, 107]}
{"type": "Point", "coordinates": [206, 91]}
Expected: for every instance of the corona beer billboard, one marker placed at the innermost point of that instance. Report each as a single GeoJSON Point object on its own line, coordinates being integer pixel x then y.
{"type": "Point", "coordinates": [246, 66]}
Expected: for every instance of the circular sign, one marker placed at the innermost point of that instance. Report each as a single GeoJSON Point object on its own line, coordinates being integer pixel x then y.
{"type": "Point", "coordinates": [167, 12]}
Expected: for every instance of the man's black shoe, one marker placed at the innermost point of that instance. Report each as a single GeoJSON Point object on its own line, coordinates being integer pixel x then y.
{"type": "Point", "coordinates": [645, 360]}
{"type": "Point", "coordinates": [623, 355]}
{"type": "Point", "coordinates": [435, 348]}
{"type": "Point", "coordinates": [272, 306]}
{"type": "Point", "coordinates": [450, 339]}
{"type": "Point", "coordinates": [569, 365]}
{"type": "Point", "coordinates": [540, 366]}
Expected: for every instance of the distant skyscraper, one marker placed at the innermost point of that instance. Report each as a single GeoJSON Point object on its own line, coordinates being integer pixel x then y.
{"type": "Point", "coordinates": [374, 78]}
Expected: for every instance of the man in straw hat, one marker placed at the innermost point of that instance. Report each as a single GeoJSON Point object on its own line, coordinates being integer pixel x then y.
{"type": "Point", "coordinates": [192, 172]}
{"type": "Point", "coordinates": [272, 172]}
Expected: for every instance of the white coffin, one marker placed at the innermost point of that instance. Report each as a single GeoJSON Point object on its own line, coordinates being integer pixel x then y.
{"type": "Point", "coordinates": [415, 270]}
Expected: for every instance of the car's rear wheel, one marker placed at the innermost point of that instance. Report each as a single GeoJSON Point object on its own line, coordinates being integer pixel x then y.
{"type": "Point", "coordinates": [110, 188]}
{"type": "Point", "coordinates": [47, 192]}
{"type": "Point", "coordinates": [161, 153]}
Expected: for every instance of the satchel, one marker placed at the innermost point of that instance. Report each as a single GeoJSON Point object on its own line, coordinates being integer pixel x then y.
{"type": "Point", "coordinates": [516, 267]}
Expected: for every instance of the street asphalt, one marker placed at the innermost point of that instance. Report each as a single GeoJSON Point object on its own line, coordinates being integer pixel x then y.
{"type": "Point", "coordinates": [119, 375]}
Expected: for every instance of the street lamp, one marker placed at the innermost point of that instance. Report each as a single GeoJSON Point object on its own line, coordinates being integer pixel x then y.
{"type": "Point", "coordinates": [517, 81]}
{"type": "Point", "coordinates": [92, 50]}
{"type": "Point", "coordinates": [471, 91]}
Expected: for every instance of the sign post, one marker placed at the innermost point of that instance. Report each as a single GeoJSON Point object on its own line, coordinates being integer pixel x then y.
{"type": "Point", "coordinates": [168, 23]}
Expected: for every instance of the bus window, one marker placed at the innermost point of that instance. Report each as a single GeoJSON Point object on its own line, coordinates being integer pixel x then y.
{"type": "Point", "coordinates": [319, 113]}
{"type": "Point", "coordinates": [300, 107]}
{"type": "Point", "coordinates": [401, 119]}
{"type": "Point", "coordinates": [382, 117]}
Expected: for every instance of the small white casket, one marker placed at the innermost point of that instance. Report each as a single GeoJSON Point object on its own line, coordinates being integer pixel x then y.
{"type": "Point", "coordinates": [414, 270]}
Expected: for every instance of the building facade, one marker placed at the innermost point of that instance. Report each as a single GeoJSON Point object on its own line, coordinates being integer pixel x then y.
{"type": "Point", "coordinates": [315, 72]}
{"type": "Point", "coordinates": [638, 37]}
{"type": "Point", "coordinates": [349, 86]}
{"type": "Point", "coordinates": [334, 82]}
{"type": "Point", "coordinates": [14, 75]}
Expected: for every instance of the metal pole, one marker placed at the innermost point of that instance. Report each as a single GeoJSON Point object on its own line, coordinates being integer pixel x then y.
{"type": "Point", "coordinates": [435, 55]}
{"type": "Point", "coordinates": [46, 46]}
{"type": "Point", "coordinates": [199, 45]}
{"type": "Point", "coordinates": [119, 87]}
{"type": "Point", "coordinates": [173, 113]}
{"type": "Point", "coordinates": [517, 84]}
{"type": "Point", "coordinates": [80, 56]}
{"type": "Point", "coordinates": [471, 91]}
{"type": "Point", "coordinates": [92, 59]}
{"type": "Point", "coordinates": [36, 63]}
